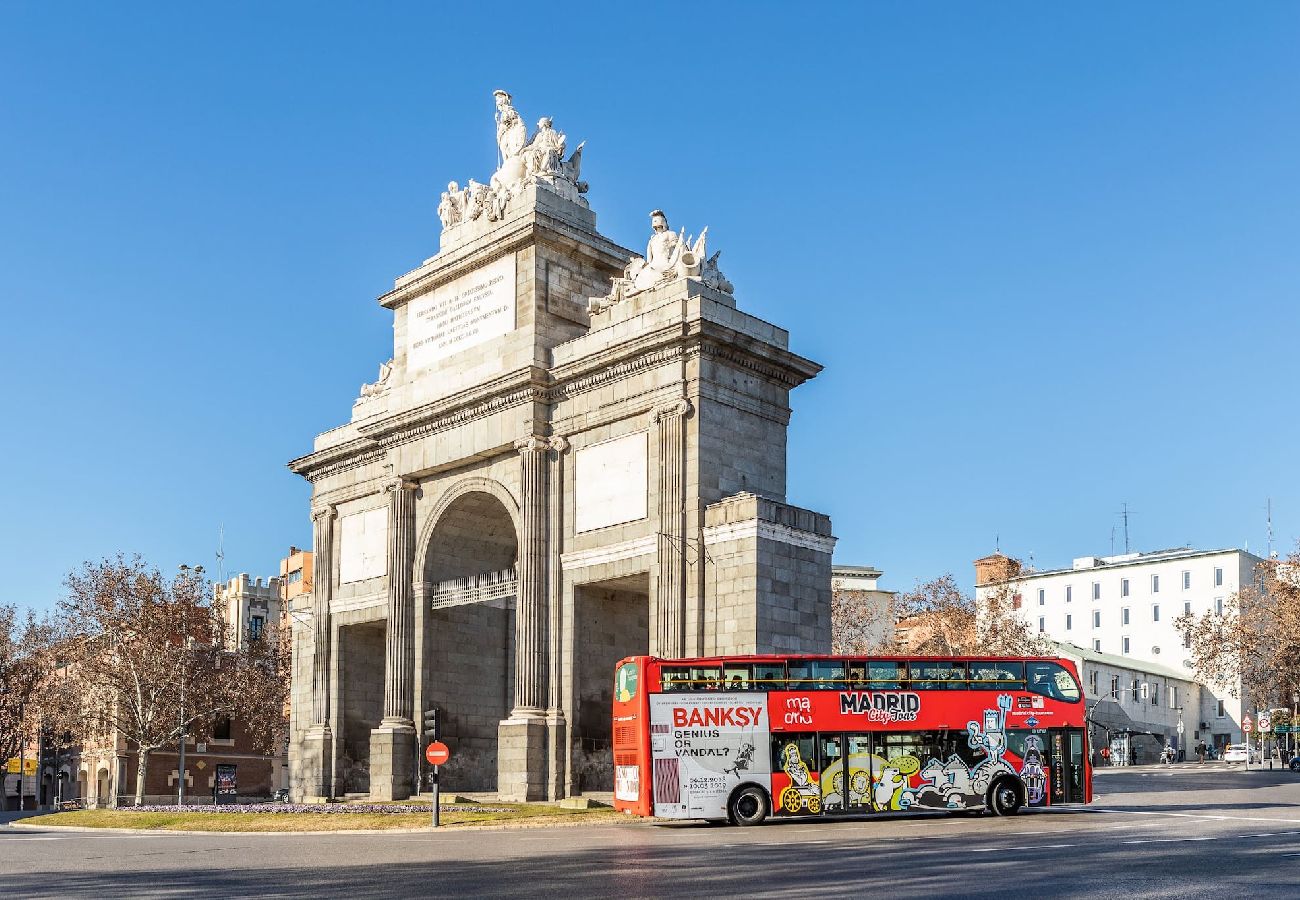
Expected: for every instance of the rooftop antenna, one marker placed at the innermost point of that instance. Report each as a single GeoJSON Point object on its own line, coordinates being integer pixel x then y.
{"type": "Point", "coordinates": [221, 553]}
{"type": "Point", "coordinates": [1112, 540]}
{"type": "Point", "coordinates": [1125, 513]}
{"type": "Point", "coordinates": [1269, 508]}
{"type": "Point", "coordinates": [997, 542]}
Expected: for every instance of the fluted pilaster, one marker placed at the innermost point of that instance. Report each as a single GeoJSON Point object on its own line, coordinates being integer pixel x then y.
{"type": "Point", "coordinates": [530, 606]}
{"type": "Point", "coordinates": [322, 520]}
{"type": "Point", "coordinates": [399, 656]}
{"type": "Point", "coordinates": [671, 583]}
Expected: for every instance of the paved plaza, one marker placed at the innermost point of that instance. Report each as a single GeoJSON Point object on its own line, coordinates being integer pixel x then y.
{"type": "Point", "coordinates": [1184, 831]}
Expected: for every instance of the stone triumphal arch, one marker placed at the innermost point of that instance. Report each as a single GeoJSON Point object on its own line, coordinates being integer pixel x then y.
{"type": "Point", "coordinates": [576, 453]}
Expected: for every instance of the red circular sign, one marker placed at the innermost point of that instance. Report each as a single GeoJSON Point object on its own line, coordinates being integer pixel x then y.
{"type": "Point", "coordinates": [437, 753]}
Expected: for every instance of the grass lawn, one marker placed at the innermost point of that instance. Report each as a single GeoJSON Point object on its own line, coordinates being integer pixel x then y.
{"type": "Point", "coordinates": [523, 814]}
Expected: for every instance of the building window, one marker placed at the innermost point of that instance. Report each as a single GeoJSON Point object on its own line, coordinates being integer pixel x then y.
{"type": "Point", "coordinates": [1146, 691]}
{"type": "Point", "coordinates": [1220, 711]}
{"type": "Point", "coordinates": [1114, 688]}
{"type": "Point", "coordinates": [1069, 622]}
{"type": "Point", "coordinates": [255, 625]}
{"type": "Point", "coordinates": [1123, 587]}
{"type": "Point", "coordinates": [1042, 624]}
{"type": "Point", "coordinates": [1187, 607]}
{"type": "Point", "coordinates": [1155, 584]}
{"type": "Point", "coordinates": [1134, 690]}
{"type": "Point", "coordinates": [1096, 590]}
{"type": "Point", "coordinates": [1042, 597]}
{"type": "Point", "coordinates": [1155, 694]}
{"type": "Point", "coordinates": [1123, 616]}
{"type": "Point", "coordinates": [1187, 580]}
{"type": "Point", "coordinates": [295, 576]}
{"type": "Point", "coordinates": [1155, 612]}
{"type": "Point", "coordinates": [1126, 646]}
{"type": "Point", "coordinates": [221, 729]}
{"type": "Point", "coordinates": [1016, 601]}
{"type": "Point", "coordinates": [1218, 577]}
{"type": "Point", "coordinates": [1096, 646]}
{"type": "Point", "coordinates": [1069, 593]}
{"type": "Point", "coordinates": [1092, 681]}
{"type": "Point", "coordinates": [1187, 641]}
{"type": "Point", "coordinates": [1096, 618]}
{"type": "Point", "coordinates": [1218, 606]}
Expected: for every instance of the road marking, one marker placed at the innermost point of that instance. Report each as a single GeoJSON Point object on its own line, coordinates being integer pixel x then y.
{"type": "Point", "coordinates": [1026, 847]}
{"type": "Point", "coordinates": [1142, 812]}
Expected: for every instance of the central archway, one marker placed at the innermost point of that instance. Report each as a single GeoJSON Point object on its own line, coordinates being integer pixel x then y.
{"type": "Point", "coordinates": [468, 569]}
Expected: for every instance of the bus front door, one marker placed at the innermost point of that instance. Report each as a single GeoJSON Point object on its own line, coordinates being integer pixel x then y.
{"type": "Point", "coordinates": [1067, 765]}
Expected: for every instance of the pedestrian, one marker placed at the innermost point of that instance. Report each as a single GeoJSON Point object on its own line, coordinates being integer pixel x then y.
{"type": "Point", "coordinates": [1200, 753]}
{"type": "Point", "coordinates": [1105, 756]}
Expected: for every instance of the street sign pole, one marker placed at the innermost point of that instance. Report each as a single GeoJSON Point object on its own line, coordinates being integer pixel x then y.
{"type": "Point", "coordinates": [1246, 725]}
{"type": "Point", "coordinates": [437, 754]}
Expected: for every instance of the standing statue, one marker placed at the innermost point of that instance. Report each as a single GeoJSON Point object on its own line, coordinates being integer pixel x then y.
{"type": "Point", "coordinates": [451, 209]}
{"type": "Point", "coordinates": [512, 134]}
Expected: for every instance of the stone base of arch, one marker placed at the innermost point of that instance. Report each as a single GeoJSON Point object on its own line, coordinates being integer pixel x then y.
{"type": "Point", "coordinates": [392, 761]}
{"type": "Point", "coordinates": [522, 751]}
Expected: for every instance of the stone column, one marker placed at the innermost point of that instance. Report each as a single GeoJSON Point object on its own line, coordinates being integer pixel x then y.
{"type": "Point", "coordinates": [530, 602]}
{"type": "Point", "coordinates": [392, 744]}
{"type": "Point", "coordinates": [670, 591]}
{"type": "Point", "coordinates": [556, 726]}
{"type": "Point", "coordinates": [521, 739]}
{"type": "Point", "coordinates": [318, 741]}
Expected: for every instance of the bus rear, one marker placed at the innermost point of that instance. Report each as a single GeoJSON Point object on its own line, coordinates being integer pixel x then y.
{"type": "Point", "coordinates": [631, 738]}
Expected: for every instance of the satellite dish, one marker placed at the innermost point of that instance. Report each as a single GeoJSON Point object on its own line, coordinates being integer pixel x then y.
{"type": "Point", "coordinates": [1188, 664]}
{"type": "Point", "coordinates": [1155, 650]}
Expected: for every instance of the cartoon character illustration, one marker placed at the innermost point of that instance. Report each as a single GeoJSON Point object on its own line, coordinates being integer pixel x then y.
{"type": "Point", "coordinates": [891, 790]}
{"type": "Point", "coordinates": [1032, 772]}
{"type": "Point", "coordinates": [992, 739]}
{"type": "Point", "coordinates": [743, 759]}
{"type": "Point", "coordinates": [949, 780]}
{"type": "Point", "coordinates": [803, 791]}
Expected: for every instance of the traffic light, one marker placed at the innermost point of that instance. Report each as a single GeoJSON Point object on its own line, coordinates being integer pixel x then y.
{"type": "Point", "coordinates": [433, 724]}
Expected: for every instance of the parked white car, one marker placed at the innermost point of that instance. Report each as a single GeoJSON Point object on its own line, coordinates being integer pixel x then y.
{"type": "Point", "coordinates": [1236, 753]}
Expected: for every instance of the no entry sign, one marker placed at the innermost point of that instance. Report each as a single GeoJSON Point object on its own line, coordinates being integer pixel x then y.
{"type": "Point", "coordinates": [437, 753]}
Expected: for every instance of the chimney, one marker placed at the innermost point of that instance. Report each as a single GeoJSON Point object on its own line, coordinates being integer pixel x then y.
{"type": "Point", "coordinates": [995, 568]}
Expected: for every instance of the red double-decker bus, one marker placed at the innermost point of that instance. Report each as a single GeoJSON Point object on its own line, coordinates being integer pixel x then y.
{"type": "Point", "coordinates": [741, 738]}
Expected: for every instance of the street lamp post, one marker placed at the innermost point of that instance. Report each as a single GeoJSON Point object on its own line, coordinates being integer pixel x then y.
{"type": "Point", "coordinates": [1295, 712]}
{"type": "Point", "coordinates": [184, 729]}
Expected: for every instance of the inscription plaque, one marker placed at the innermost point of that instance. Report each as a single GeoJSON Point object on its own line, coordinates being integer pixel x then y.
{"type": "Point", "coordinates": [474, 308]}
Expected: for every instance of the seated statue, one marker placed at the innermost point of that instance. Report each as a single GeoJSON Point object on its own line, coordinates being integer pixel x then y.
{"type": "Point", "coordinates": [661, 255]}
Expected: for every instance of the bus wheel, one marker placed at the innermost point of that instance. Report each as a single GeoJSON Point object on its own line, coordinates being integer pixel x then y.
{"type": "Point", "coordinates": [748, 806]}
{"type": "Point", "coordinates": [1004, 798]}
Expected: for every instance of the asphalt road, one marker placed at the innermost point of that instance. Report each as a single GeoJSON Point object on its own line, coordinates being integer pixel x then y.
{"type": "Point", "coordinates": [1152, 832]}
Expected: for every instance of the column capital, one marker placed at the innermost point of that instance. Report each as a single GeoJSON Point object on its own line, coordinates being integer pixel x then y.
{"type": "Point", "coordinates": [323, 512]}
{"type": "Point", "coordinates": [532, 443]}
{"type": "Point", "coordinates": [558, 444]}
{"type": "Point", "coordinates": [673, 409]}
{"type": "Point", "coordinates": [401, 484]}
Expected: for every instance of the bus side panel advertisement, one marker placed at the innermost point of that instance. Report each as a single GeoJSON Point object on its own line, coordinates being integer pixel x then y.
{"type": "Point", "coordinates": [702, 747]}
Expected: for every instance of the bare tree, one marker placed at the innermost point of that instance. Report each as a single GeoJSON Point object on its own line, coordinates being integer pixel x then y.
{"type": "Point", "coordinates": [152, 662]}
{"type": "Point", "coordinates": [861, 623]}
{"type": "Point", "coordinates": [1252, 649]}
{"type": "Point", "coordinates": [938, 617]}
{"type": "Point", "coordinates": [26, 643]}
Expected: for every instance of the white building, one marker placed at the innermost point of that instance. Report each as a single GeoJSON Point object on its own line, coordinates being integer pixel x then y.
{"type": "Point", "coordinates": [1125, 607]}
{"type": "Point", "coordinates": [861, 584]}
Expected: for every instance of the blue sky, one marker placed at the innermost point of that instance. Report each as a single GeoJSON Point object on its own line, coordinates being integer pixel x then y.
{"type": "Point", "coordinates": [1047, 254]}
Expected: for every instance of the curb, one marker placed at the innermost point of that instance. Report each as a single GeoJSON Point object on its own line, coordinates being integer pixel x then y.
{"type": "Point", "coordinates": [518, 826]}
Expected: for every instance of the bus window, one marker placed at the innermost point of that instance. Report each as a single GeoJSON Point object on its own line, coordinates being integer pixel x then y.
{"type": "Point", "coordinates": [858, 674]}
{"type": "Point", "coordinates": [997, 675]}
{"type": "Point", "coordinates": [1053, 680]}
{"type": "Point", "coordinates": [706, 678]}
{"type": "Point", "coordinates": [800, 675]}
{"type": "Point", "coordinates": [885, 675]}
{"type": "Point", "coordinates": [769, 676]}
{"type": "Point", "coordinates": [828, 674]}
{"type": "Point", "coordinates": [737, 678]}
{"type": "Point", "coordinates": [677, 679]}
{"type": "Point", "coordinates": [937, 675]}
